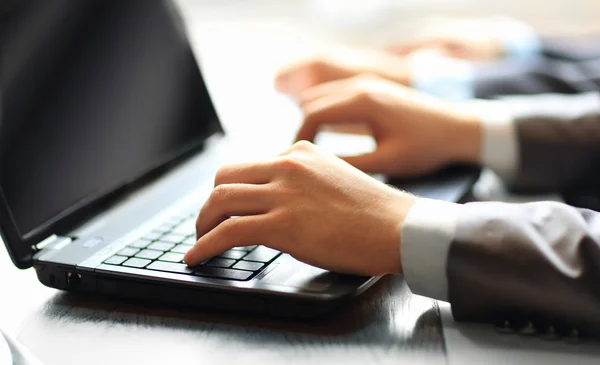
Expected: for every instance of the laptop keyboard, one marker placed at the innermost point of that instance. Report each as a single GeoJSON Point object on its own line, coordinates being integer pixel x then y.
{"type": "Point", "coordinates": [162, 249]}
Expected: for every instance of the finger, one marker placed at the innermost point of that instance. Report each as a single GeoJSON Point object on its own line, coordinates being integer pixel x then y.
{"type": "Point", "coordinates": [370, 163]}
{"type": "Point", "coordinates": [350, 128]}
{"type": "Point", "coordinates": [410, 47]}
{"type": "Point", "coordinates": [340, 108]}
{"type": "Point", "coordinates": [260, 172]}
{"type": "Point", "coordinates": [324, 89]}
{"type": "Point", "coordinates": [308, 73]}
{"type": "Point", "coordinates": [242, 231]}
{"type": "Point", "coordinates": [229, 201]}
{"type": "Point", "coordinates": [376, 162]}
{"type": "Point", "coordinates": [301, 75]}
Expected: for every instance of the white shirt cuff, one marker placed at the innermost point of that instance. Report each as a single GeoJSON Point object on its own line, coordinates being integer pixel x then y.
{"type": "Point", "coordinates": [444, 77]}
{"type": "Point", "coordinates": [499, 144]}
{"type": "Point", "coordinates": [427, 232]}
{"type": "Point", "coordinates": [519, 40]}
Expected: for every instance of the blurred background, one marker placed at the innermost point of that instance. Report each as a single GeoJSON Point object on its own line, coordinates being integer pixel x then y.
{"type": "Point", "coordinates": [241, 43]}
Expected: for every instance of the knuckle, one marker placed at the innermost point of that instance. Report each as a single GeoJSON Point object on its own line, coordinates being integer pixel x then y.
{"type": "Point", "coordinates": [316, 67]}
{"type": "Point", "coordinates": [367, 78]}
{"type": "Point", "coordinates": [230, 225]}
{"type": "Point", "coordinates": [219, 194]}
{"type": "Point", "coordinates": [365, 96]}
{"type": "Point", "coordinates": [235, 229]}
{"type": "Point", "coordinates": [288, 165]}
{"type": "Point", "coordinates": [222, 174]}
{"type": "Point", "coordinates": [303, 146]}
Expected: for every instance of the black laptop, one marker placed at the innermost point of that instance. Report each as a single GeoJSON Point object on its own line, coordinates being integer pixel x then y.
{"type": "Point", "coordinates": [109, 144]}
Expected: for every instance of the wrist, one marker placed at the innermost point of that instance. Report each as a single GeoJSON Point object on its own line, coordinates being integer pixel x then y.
{"type": "Point", "coordinates": [400, 206]}
{"type": "Point", "coordinates": [465, 137]}
{"type": "Point", "coordinates": [427, 234]}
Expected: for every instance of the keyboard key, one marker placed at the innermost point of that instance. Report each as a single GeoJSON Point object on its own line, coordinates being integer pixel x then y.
{"type": "Point", "coordinates": [153, 235]}
{"type": "Point", "coordinates": [170, 267]}
{"type": "Point", "coordinates": [220, 262]}
{"type": "Point", "coordinates": [172, 257]}
{"type": "Point", "coordinates": [233, 254]}
{"type": "Point", "coordinates": [149, 254]}
{"type": "Point", "coordinates": [186, 227]}
{"type": "Point", "coordinates": [181, 248]}
{"type": "Point", "coordinates": [161, 246]}
{"type": "Point", "coordinates": [175, 220]}
{"type": "Point", "coordinates": [244, 248]}
{"type": "Point", "coordinates": [135, 262]}
{"type": "Point", "coordinates": [262, 254]}
{"type": "Point", "coordinates": [128, 251]}
{"type": "Point", "coordinates": [165, 227]}
{"type": "Point", "coordinates": [220, 273]}
{"type": "Point", "coordinates": [115, 260]}
{"type": "Point", "coordinates": [141, 243]}
{"type": "Point", "coordinates": [247, 265]}
{"type": "Point", "coordinates": [173, 237]}
{"type": "Point", "coordinates": [191, 240]}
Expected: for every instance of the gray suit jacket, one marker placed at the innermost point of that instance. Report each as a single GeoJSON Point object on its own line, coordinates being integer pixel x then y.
{"type": "Point", "coordinates": [538, 261]}
{"type": "Point", "coordinates": [566, 65]}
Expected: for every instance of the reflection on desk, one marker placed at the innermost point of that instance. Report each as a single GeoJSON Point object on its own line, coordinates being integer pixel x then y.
{"type": "Point", "coordinates": [385, 325]}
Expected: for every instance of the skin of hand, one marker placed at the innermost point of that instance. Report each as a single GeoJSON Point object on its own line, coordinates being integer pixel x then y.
{"type": "Point", "coordinates": [319, 208]}
{"type": "Point", "coordinates": [309, 204]}
{"type": "Point", "coordinates": [468, 39]}
{"type": "Point", "coordinates": [304, 74]}
{"type": "Point", "coordinates": [415, 133]}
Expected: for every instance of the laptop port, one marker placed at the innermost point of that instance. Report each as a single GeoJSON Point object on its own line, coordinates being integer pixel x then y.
{"type": "Point", "coordinates": [73, 280]}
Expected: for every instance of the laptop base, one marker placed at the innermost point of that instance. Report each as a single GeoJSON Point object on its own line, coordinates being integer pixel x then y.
{"type": "Point", "coordinates": [181, 294]}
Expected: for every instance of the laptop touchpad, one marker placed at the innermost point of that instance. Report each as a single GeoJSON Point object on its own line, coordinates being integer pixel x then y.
{"type": "Point", "coordinates": [291, 272]}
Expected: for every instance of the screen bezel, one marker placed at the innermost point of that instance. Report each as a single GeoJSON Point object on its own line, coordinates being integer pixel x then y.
{"type": "Point", "coordinates": [21, 248]}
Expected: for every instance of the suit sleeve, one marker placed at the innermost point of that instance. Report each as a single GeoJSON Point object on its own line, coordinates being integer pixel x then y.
{"type": "Point", "coordinates": [564, 65]}
{"type": "Point", "coordinates": [537, 261]}
{"type": "Point", "coordinates": [579, 48]}
{"type": "Point", "coordinates": [536, 76]}
{"type": "Point", "coordinates": [558, 142]}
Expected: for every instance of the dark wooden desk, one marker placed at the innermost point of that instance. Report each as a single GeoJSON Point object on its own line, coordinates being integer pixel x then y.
{"type": "Point", "coordinates": [387, 325]}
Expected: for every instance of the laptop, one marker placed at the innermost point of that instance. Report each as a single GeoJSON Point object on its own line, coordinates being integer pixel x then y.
{"type": "Point", "coordinates": [109, 144]}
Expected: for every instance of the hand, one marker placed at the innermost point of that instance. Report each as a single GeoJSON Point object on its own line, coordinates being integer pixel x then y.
{"type": "Point", "coordinates": [309, 204]}
{"type": "Point", "coordinates": [472, 40]}
{"type": "Point", "coordinates": [415, 133]}
{"type": "Point", "coordinates": [294, 79]}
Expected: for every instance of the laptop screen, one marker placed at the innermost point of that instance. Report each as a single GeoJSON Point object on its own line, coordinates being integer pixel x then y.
{"type": "Point", "coordinates": [93, 94]}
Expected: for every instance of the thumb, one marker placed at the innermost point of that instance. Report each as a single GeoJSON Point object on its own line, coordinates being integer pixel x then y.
{"type": "Point", "coordinates": [370, 163]}
{"type": "Point", "coordinates": [413, 46]}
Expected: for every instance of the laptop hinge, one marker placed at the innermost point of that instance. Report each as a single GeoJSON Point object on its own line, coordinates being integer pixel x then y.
{"type": "Point", "coordinates": [53, 242]}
